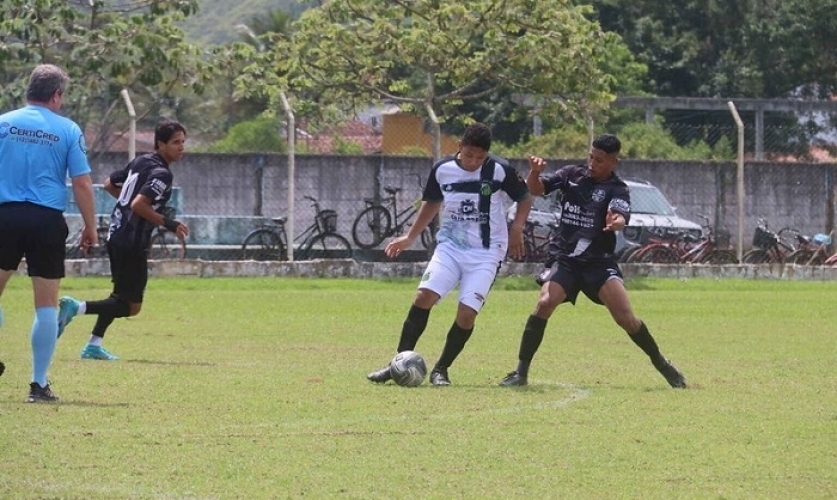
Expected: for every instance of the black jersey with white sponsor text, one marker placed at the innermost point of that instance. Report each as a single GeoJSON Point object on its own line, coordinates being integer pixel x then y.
{"type": "Point", "coordinates": [148, 175]}
{"type": "Point", "coordinates": [584, 205]}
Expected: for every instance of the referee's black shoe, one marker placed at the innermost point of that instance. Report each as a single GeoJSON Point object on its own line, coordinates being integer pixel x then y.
{"type": "Point", "coordinates": [514, 379]}
{"type": "Point", "coordinates": [672, 375]}
{"type": "Point", "coordinates": [380, 376]}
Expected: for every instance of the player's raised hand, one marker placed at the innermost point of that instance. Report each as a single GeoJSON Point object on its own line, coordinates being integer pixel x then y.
{"type": "Point", "coordinates": [614, 221]}
{"type": "Point", "coordinates": [537, 164]}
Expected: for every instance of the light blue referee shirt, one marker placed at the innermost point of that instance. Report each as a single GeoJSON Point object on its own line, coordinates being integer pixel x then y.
{"type": "Point", "coordinates": [38, 150]}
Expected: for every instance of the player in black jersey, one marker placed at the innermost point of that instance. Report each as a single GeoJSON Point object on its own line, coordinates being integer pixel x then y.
{"type": "Point", "coordinates": [595, 202]}
{"type": "Point", "coordinates": [142, 190]}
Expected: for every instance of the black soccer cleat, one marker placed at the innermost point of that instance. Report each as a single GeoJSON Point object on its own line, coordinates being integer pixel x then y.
{"type": "Point", "coordinates": [38, 394]}
{"type": "Point", "coordinates": [2, 368]}
{"type": "Point", "coordinates": [514, 379]}
{"type": "Point", "coordinates": [439, 376]}
{"type": "Point", "coordinates": [671, 373]}
{"type": "Point", "coordinates": [380, 376]}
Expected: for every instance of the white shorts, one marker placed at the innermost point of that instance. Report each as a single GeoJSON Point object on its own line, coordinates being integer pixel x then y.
{"type": "Point", "coordinates": [473, 269]}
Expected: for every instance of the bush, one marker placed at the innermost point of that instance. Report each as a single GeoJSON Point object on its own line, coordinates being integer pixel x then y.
{"type": "Point", "coordinates": [253, 136]}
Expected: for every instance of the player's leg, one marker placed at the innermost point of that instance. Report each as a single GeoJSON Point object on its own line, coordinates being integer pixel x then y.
{"type": "Point", "coordinates": [4, 278]}
{"type": "Point", "coordinates": [559, 286]}
{"type": "Point", "coordinates": [129, 272]}
{"type": "Point", "coordinates": [439, 278]}
{"type": "Point", "coordinates": [479, 270]}
{"type": "Point", "coordinates": [44, 251]}
{"type": "Point", "coordinates": [614, 296]}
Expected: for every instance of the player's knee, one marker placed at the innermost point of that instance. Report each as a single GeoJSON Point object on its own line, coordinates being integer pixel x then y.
{"type": "Point", "coordinates": [134, 308]}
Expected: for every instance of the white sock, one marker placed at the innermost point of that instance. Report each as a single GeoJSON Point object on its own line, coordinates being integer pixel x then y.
{"type": "Point", "coordinates": [94, 340]}
{"type": "Point", "coordinates": [82, 307]}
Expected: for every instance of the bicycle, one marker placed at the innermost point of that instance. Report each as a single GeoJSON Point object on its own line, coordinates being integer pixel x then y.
{"type": "Point", "coordinates": [164, 244]}
{"type": "Point", "coordinates": [319, 240]}
{"type": "Point", "coordinates": [773, 247]}
{"type": "Point", "coordinates": [382, 219]}
{"type": "Point", "coordinates": [815, 254]}
{"type": "Point", "coordinates": [74, 250]}
{"type": "Point", "coordinates": [536, 242]}
{"type": "Point", "coordinates": [688, 249]}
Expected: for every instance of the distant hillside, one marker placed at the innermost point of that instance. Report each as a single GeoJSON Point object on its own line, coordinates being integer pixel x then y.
{"type": "Point", "coordinates": [216, 19]}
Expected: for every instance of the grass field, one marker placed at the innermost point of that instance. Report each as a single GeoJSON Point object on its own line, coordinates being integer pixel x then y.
{"type": "Point", "coordinates": [254, 388]}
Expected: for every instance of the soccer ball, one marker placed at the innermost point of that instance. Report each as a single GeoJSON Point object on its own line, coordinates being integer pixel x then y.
{"type": "Point", "coordinates": [408, 369]}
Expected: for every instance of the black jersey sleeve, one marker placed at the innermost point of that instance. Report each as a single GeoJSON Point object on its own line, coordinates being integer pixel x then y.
{"type": "Point", "coordinates": [158, 182]}
{"type": "Point", "coordinates": [620, 201]}
{"type": "Point", "coordinates": [556, 180]}
{"type": "Point", "coordinates": [432, 189]}
{"type": "Point", "coordinates": [513, 183]}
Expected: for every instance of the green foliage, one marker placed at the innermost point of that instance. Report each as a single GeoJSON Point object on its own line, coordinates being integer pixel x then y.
{"type": "Point", "coordinates": [436, 56]}
{"type": "Point", "coordinates": [564, 142]}
{"type": "Point", "coordinates": [639, 140]}
{"type": "Point", "coordinates": [253, 136]}
{"type": "Point", "coordinates": [346, 147]}
{"type": "Point", "coordinates": [248, 388]}
{"type": "Point", "coordinates": [105, 48]}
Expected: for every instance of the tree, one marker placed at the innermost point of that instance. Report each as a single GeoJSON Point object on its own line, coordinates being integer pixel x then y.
{"type": "Point", "coordinates": [433, 56]}
{"type": "Point", "coordinates": [105, 47]}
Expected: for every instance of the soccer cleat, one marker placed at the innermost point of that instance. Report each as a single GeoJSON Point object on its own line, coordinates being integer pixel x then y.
{"type": "Point", "coordinates": [67, 310]}
{"type": "Point", "coordinates": [671, 373]}
{"type": "Point", "coordinates": [514, 379]}
{"type": "Point", "coordinates": [97, 352]}
{"type": "Point", "coordinates": [380, 376]}
{"type": "Point", "coordinates": [439, 376]}
{"type": "Point", "coordinates": [2, 368]}
{"type": "Point", "coordinates": [38, 394]}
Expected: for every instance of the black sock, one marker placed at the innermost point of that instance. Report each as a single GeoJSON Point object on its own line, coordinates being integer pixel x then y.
{"type": "Point", "coordinates": [646, 342]}
{"type": "Point", "coordinates": [413, 327]}
{"type": "Point", "coordinates": [457, 337]}
{"type": "Point", "coordinates": [111, 306]}
{"type": "Point", "coordinates": [102, 324]}
{"type": "Point", "coordinates": [530, 342]}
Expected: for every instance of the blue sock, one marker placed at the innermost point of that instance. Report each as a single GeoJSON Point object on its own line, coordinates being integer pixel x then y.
{"type": "Point", "coordinates": [44, 336]}
{"type": "Point", "coordinates": [1, 316]}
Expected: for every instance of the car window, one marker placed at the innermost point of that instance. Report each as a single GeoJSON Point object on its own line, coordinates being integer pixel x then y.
{"type": "Point", "coordinates": [649, 200]}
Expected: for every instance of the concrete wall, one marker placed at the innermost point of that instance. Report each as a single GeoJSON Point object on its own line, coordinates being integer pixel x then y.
{"type": "Point", "coordinates": [215, 186]}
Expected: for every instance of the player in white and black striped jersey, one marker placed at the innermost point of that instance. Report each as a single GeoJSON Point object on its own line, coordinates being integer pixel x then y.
{"type": "Point", "coordinates": [466, 190]}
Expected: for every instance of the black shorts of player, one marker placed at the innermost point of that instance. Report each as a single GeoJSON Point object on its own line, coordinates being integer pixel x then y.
{"type": "Point", "coordinates": [129, 272]}
{"type": "Point", "coordinates": [35, 232]}
{"type": "Point", "coordinates": [574, 275]}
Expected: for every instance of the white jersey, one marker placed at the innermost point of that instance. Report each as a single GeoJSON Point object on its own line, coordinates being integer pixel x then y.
{"type": "Point", "coordinates": [459, 191]}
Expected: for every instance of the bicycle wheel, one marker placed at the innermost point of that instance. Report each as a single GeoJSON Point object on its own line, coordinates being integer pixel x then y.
{"type": "Point", "coordinates": [263, 244]}
{"type": "Point", "coordinates": [428, 236]}
{"type": "Point", "coordinates": [326, 246]}
{"type": "Point", "coordinates": [166, 245]}
{"type": "Point", "coordinates": [659, 254]}
{"type": "Point", "coordinates": [801, 257]}
{"type": "Point", "coordinates": [720, 256]}
{"type": "Point", "coordinates": [756, 256]}
{"type": "Point", "coordinates": [371, 227]}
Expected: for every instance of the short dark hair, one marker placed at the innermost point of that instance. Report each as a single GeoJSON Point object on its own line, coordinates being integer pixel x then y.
{"type": "Point", "coordinates": [477, 134]}
{"type": "Point", "coordinates": [608, 143]}
{"type": "Point", "coordinates": [45, 80]}
{"type": "Point", "coordinates": [165, 129]}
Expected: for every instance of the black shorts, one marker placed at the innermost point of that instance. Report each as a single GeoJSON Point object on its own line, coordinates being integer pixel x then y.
{"type": "Point", "coordinates": [580, 275]}
{"type": "Point", "coordinates": [35, 232]}
{"type": "Point", "coordinates": [129, 272]}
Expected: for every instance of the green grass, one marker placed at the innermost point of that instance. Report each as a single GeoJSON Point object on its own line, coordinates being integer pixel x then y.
{"type": "Point", "coordinates": [254, 388]}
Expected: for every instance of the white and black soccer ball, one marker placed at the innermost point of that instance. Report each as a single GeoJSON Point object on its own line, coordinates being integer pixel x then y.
{"type": "Point", "coordinates": [408, 369]}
